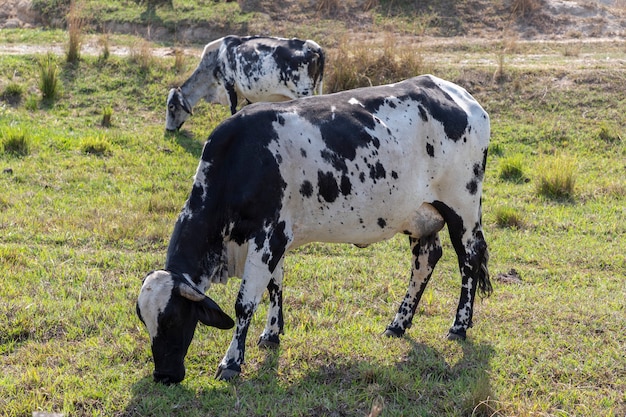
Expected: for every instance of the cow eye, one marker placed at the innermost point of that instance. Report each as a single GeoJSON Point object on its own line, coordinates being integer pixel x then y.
{"type": "Point", "coordinates": [172, 107]}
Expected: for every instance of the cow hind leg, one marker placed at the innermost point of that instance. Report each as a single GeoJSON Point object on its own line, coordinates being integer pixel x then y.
{"type": "Point", "coordinates": [474, 275]}
{"type": "Point", "coordinates": [469, 243]}
{"type": "Point", "coordinates": [426, 251]}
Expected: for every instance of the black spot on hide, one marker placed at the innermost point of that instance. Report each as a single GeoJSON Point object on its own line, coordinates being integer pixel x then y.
{"type": "Point", "coordinates": [441, 107]}
{"type": "Point", "coordinates": [423, 113]}
{"type": "Point", "coordinates": [346, 185]}
{"type": "Point", "coordinates": [377, 171]}
{"type": "Point", "coordinates": [472, 187]}
{"type": "Point", "coordinates": [335, 160]}
{"type": "Point", "coordinates": [430, 150]}
{"type": "Point", "coordinates": [278, 243]}
{"type": "Point", "coordinates": [327, 185]}
{"type": "Point", "coordinates": [382, 223]}
{"type": "Point", "coordinates": [306, 189]}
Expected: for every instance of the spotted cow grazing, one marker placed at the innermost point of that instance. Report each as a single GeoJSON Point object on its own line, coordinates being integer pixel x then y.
{"type": "Point", "coordinates": [252, 69]}
{"type": "Point", "coordinates": [356, 167]}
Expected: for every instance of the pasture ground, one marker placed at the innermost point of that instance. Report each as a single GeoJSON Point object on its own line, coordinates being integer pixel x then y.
{"type": "Point", "coordinates": [86, 211]}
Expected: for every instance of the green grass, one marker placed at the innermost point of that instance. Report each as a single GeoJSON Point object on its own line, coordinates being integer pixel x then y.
{"type": "Point", "coordinates": [14, 141]}
{"type": "Point", "coordinates": [88, 211]}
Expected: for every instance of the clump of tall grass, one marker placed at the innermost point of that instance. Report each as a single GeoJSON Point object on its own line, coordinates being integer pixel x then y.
{"type": "Point", "coordinates": [608, 134]}
{"type": "Point", "coordinates": [370, 4]}
{"type": "Point", "coordinates": [479, 400]}
{"type": "Point", "coordinates": [572, 49]}
{"type": "Point", "coordinates": [508, 217]}
{"type": "Point", "coordinates": [508, 45]}
{"type": "Point", "coordinates": [141, 55]}
{"type": "Point", "coordinates": [328, 7]}
{"type": "Point", "coordinates": [31, 103]}
{"type": "Point", "coordinates": [362, 65]}
{"type": "Point", "coordinates": [75, 23]}
{"type": "Point", "coordinates": [95, 146]}
{"type": "Point", "coordinates": [48, 77]}
{"type": "Point", "coordinates": [103, 41]}
{"type": "Point", "coordinates": [14, 141]}
{"type": "Point", "coordinates": [499, 76]}
{"type": "Point", "coordinates": [107, 115]}
{"type": "Point", "coordinates": [557, 177]}
{"type": "Point", "coordinates": [13, 93]}
{"type": "Point", "coordinates": [511, 168]}
{"type": "Point", "coordinates": [179, 60]}
{"type": "Point", "coordinates": [522, 8]}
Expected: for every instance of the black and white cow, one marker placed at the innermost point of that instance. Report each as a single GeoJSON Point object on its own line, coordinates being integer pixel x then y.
{"type": "Point", "coordinates": [356, 167]}
{"type": "Point", "coordinates": [253, 69]}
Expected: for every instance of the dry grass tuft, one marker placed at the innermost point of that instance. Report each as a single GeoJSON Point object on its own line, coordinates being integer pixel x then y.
{"type": "Point", "coordinates": [104, 41]}
{"type": "Point", "coordinates": [75, 24]}
{"type": "Point", "coordinates": [370, 4]}
{"type": "Point", "coordinates": [48, 78]}
{"type": "Point", "coordinates": [557, 177]}
{"type": "Point", "coordinates": [179, 60]}
{"type": "Point", "coordinates": [522, 8]}
{"type": "Point", "coordinates": [364, 64]}
{"type": "Point", "coordinates": [141, 55]}
{"type": "Point", "coordinates": [328, 7]}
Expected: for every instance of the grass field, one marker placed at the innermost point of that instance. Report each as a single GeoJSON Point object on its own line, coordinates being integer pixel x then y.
{"type": "Point", "coordinates": [86, 211]}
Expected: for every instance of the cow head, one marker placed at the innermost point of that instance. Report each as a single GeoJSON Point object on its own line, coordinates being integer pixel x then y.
{"type": "Point", "coordinates": [178, 109]}
{"type": "Point", "coordinates": [170, 306]}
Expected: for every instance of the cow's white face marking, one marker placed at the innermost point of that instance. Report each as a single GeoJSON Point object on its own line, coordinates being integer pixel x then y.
{"type": "Point", "coordinates": [154, 296]}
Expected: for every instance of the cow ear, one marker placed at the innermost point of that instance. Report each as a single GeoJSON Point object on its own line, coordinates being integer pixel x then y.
{"type": "Point", "coordinates": [186, 105]}
{"type": "Point", "coordinates": [211, 314]}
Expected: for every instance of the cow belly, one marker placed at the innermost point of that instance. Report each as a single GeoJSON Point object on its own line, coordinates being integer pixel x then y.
{"type": "Point", "coordinates": [364, 224]}
{"type": "Point", "coordinates": [270, 93]}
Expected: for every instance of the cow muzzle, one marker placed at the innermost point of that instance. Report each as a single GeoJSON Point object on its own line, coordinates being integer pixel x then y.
{"type": "Point", "coordinates": [169, 377]}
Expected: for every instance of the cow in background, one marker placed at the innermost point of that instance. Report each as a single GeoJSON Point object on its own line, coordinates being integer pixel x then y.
{"type": "Point", "coordinates": [252, 69]}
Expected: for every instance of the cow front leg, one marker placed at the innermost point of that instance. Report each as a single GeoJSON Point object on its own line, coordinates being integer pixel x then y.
{"type": "Point", "coordinates": [426, 252]}
{"type": "Point", "coordinates": [232, 97]}
{"type": "Point", "coordinates": [274, 326]}
{"type": "Point", "coordinates": [473, 257]}
{"type": "Point", "coordinates": [256, 278]}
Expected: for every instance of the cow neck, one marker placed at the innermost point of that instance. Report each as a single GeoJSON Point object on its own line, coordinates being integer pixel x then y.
{"type": "Point", "coordinates": [188, 247]}
{"type": "Point", "coordinates": [197, 85]}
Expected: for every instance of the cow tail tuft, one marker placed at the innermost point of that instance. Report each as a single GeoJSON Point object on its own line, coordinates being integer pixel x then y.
{"type": "Point", "coordinates": [484, 283]}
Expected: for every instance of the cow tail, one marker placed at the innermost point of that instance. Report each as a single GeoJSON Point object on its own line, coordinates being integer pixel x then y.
{"type": "Point", "coordinates": [484, 283]}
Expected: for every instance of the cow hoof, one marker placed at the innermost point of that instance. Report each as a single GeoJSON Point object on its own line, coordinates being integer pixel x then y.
{"type": "Point", "coordinates": [394, 332]}
{"type": "Point", "coordinates": [456, 335]}
{"type": "Point", "coordinates": [271, 342]}
{"type": "Point", "coordinates": [227, 374]}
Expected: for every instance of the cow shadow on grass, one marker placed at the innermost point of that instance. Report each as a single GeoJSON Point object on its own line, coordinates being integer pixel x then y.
{"type": "Point", "coordinates": [423, 381]}
{"type": "Point", "coordinates": [186, 140]}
